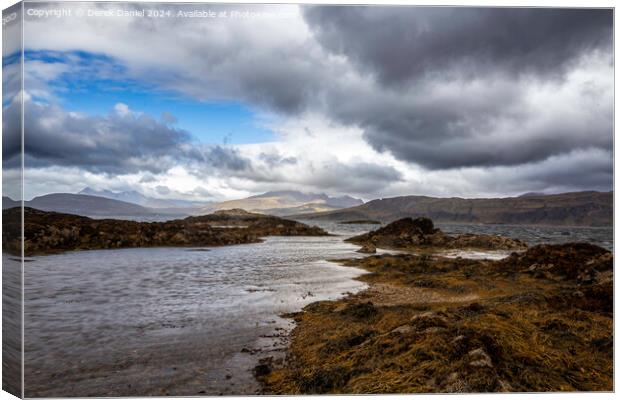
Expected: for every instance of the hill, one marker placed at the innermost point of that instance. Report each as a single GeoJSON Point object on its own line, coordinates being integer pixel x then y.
{"type": "Point", "coordinates": [287, 202]}
{"type": "Point", "coordinates": [8, 202]}
{"type": "Point", "coordinates": [105, 203]}
{"type": "Point", "coordinates": [577, 209]}
{"type": "Point", "coordinates": [81, 205]}
{"type": "Point", "coordinates": [93, 206]}
{"type": "Point", "coordinates": [135, 197]}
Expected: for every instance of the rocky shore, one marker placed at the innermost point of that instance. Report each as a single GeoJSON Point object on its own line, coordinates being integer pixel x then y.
{"type": "Point", "coordinates": [51, 232]}
{"type": "Point", "coordinates": [420, 234]}
{"type": "Point", "coordinates": [538, 320]}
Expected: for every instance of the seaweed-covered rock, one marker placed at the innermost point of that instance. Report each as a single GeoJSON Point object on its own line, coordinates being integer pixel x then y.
{"type": "Point", "coordinates": [583, 262]}
{"type": "Point", "coordinates": [487, 242]}
{"type": "Point", "coordinates": [360, 310]}
{"type": "Point", "coordinates": [428, 320]}
{"type": "Point", "coordinates": [479, 358]}
{"type": "Point", "coordinates": [421, 233]}
{"type": "Point", "coordinates": [433, 324]}
{"type": "Point", "coordinates": [368, 248]}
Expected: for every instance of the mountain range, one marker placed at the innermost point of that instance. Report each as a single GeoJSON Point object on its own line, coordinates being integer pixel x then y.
{"type": "Point", "coordinates": [577, 208]}
{"type": "Point", "coordinates": [80, 204]}
{"type": "Point", "coordinates": [287, 202]}
{"type": "Point", "coordinates": [135, 197]}
{"type": "Point", "coordinates": [105, 203]}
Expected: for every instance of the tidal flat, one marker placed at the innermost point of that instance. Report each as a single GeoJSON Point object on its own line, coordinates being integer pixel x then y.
{"type": "Point", "coordinates": [538, 320]}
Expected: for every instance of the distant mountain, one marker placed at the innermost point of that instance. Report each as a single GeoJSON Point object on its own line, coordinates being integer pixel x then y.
{"type": "Point", "coordinates": [578, 209]}
{"type": "Point", "coordinates": [287, 202]}
{"type": "Point", "coordinates": [81, 205]}
{"type": "Point", "coordinates": [8, 202]}
{"type": "Point", "coordinates": [306, 198]}
{"type": "Point", "coordinates": [138, 198]}
{"type": "Point", "coordinates": [125, 204]}
{"type": "Point", "coordinates": [97, 207]}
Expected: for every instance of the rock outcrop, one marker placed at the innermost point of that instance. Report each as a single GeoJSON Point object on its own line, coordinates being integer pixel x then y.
{"type": "Point", "coordinates": [583, 262]}
{"type": "Point", "coordinates": [409, 233]}
{"type": "Point", "coordinates": [588, 267]}
{"type": "Point", "coordinates": [51, 232]}
{"type": "Point", "coordinates": [368, 248]}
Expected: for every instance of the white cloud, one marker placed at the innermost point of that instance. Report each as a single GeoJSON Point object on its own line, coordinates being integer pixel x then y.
{"type": "Point", "coordinates": [339, 127]}
{"type": "Point", "coordinates": [122, 109]}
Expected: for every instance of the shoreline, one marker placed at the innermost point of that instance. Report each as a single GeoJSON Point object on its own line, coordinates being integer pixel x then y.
{"type": "Point", "coordinates": [455, 325]}
{"type": "Point", "coordinates": [282, 333]}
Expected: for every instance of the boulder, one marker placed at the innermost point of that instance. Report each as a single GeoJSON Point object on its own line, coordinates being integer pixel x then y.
{"type": "Point", "coordinates": [368, 248]}
{"type": "Point", "coordinates": [402, 330]}
{"type": "Point", "coordinates": [427, 320]}
{"type": "Point", "coordinates": [479, 358]}
{"type": "Point", "coordinates": [425, 225]}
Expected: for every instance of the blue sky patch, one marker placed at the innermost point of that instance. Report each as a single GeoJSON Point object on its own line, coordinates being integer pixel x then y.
{"type": "Point", "coordinates": [96, 82]}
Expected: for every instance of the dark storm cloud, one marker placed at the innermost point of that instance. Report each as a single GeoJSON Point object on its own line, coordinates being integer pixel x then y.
{"type": "Point", "coordinates": [116, 143]}
{"type": "Point", "coordinates": [439, 136]}
{"type": "Point", "coordinates": [226, 158]}
{"type": "Point", "coordinates": [11, 127]}
{"type": "Point", "coordinates": [122, 142]}
{"type": "Point", "coordinates": [451, 84]}
{"type": "Point", "coordinates": [442, 88]}
{"type": "Point", "coordinates": [403, 43]}
{"type": "Point", "coordinates": [332, 175]}
{"type": "Point", "coordinates": [594, 171]}
{"type": "Point", "coordinates": [11, 134]}
{"type": "Point", "coordinates": [283, 86]}
{"type": "Point", "coordinates": [462, 130]}
{"type": "Point", "coordinates": [260, 61]}
{"type": "Point", "coordinates": [591, 169]}
{"type": "Point", "coordinates": [360, 177]}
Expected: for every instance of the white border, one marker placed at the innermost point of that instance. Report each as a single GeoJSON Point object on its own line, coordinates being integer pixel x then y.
{"type": "Point", "coordinates": [483, 3]}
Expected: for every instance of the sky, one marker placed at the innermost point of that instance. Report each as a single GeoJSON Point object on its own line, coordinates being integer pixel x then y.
{"type": "Point", "coordinates": [371, 102]}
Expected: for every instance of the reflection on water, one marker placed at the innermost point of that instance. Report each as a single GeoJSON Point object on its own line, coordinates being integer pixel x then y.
{"type": "Point", "coordinates": [139, 321]}
{"type": "Point", "coordinates": [476, 255]}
